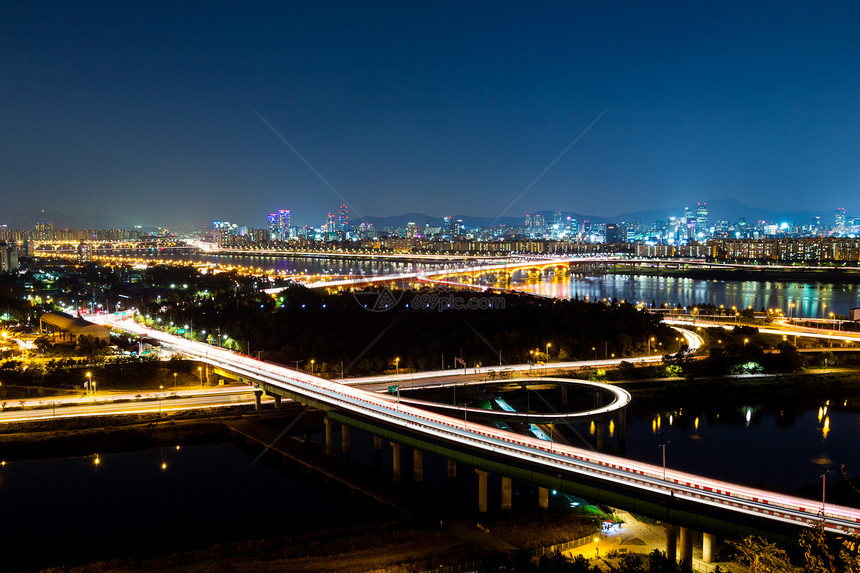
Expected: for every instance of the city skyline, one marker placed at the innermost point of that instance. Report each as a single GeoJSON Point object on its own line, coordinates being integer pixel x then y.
{"type": "Point", "coordinates": [173, 115]}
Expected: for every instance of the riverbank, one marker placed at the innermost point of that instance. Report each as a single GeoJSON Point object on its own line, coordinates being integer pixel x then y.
{"type": "Point", "coordinates": [823, 384]}
{"type": "Point", "coordinates": [404, 545]}
{"type": "Point", "coordinates": [839, 275]}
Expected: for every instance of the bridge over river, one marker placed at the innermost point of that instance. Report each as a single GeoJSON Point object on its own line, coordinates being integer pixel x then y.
{"type": "Point", "coordinates": [692, 502]}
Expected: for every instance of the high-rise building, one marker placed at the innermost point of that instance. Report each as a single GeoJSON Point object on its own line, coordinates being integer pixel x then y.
{"type": "Point", "coordinates": [612, 233]}
{"type": "Point", "coordinates": [44, 230]}
{"type": "Point", "coordinates": [702, 217]}
{"type": "Point", "coordinates": [223, 229]}
{"type": "Point", "coordinates": [839, 215]}
{"type": "Point", "coordinates": [343, 219]}
{"type": "Point", "coordinates": [8, 257]}
{"type": "Point", "coordinates": [284, 223]}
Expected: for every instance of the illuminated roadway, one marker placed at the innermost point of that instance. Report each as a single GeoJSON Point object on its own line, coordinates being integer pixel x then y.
{"type": "Point", "coordinates": [149, 403]}
{"type": "Point", "coordinates": [671, 485]}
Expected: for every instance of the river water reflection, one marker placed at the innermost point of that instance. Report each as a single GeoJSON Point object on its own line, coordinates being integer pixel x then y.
{"type": "Point", "coordinates": [784, 444]}
{"type": "Point", "coordinates": [810, 299]}
{"type": "Point", "coordinates": [152, 502]}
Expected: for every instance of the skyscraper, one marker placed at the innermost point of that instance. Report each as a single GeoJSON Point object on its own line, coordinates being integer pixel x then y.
{"type": "Point", "coordinates": [279, 225]}
{"type": "Point", "coordinates": [702, 219]}
{"type": "Point", "coordinates": [839, 215]}
{"type": "Point", "coordinates": [343, 219]}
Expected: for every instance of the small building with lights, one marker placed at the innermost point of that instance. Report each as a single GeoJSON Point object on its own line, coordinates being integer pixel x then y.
{"type": "Point", "coordinates": [71, 327]}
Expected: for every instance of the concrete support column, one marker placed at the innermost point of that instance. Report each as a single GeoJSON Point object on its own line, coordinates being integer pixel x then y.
{"type": "Point", "coordinates": [344, 439]}
{"type": "Point", "coordinates": [328, 436]}
{"type": "Point", "coordinates": [396, 461]}
{"type": "Point", "coordinates": [418, 465]}
{"type": "Point", "coordinates": [452, 469]}
{"type": "Point", "coordinates": [671, 542]}
{"type": "Point", "coordinates": [622, 425]}
{"type": "Point", "coordinates": [258, 395]}
{"type": "Point", "coordinates": [506, 494]}
{"type": "Point", "coordinates": [686, 544]}
{"type": "Point", "coordinates": [598, 398]}
{"type": "Point", "coordinates": [277, 402]}
{"type": "Point", "coordinates": [377, 453]}
{"type": "Point", "coordinates": [601, 434]}
{"type": "Point", "coordinates": [709, 542]}
{"type": "Point", "coordinates": [543, 497]}
{"type": "Point", "coordinates": [564, 394]}
{"type": "Point", "coordinates": [482, 490]}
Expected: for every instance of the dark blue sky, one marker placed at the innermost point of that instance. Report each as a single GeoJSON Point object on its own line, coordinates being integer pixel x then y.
{"type": "Point", "coordinates": [145, 111]}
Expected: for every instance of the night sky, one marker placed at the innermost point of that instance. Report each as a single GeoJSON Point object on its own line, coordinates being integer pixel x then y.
{"type": "Point", "coordinates": [175, 113]}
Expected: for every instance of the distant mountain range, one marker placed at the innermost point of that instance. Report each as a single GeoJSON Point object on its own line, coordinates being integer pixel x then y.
{"type": "Point", "coordinates": [718, 209]}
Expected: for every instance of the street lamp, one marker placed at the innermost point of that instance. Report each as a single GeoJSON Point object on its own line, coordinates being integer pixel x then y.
{"type": "Point", "coordinates": [664, 458]}
{"type": "Point", "coordinates": [312, 365]}
{"type": "Point", "coordinates": [594, 349]}
{"type": "Point", "coordinates": [89, 382]}
{"type": "Point", "coordinates": [650, 340]}
{"type": "Point", "coordinates": [174, 380]}
{"type": "Point", "coordinates": [397, 365]}
{"type": "Point", "coordinates": [200, 374]}
{"type": "Point", "coordinates": [547, 351]}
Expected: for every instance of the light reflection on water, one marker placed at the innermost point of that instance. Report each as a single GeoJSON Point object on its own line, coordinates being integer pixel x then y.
{"type": "Point", "coordinates": [810, 299]}
{"type": "Point", "coordinates": [782, 445]}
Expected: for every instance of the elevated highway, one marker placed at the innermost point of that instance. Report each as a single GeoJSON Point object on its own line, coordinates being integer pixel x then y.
{"type": "Point", "coordinates": [676, 497]}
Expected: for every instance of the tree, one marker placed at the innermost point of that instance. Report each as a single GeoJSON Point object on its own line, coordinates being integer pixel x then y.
{"type": "Point", "coordinates": [91, 347]}
{"type": "Point", "coordinates": [43, 343]}
{"type": "Point", "coordinates": [760, 556]}
{"type": "Point", "coordinates": [823, 555]}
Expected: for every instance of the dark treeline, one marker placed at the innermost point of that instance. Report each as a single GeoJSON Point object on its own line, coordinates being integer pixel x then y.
{"type": "Point", "coordinates": [366, 332]}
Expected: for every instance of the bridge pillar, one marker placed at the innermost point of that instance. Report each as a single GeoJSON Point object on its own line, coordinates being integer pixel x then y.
{"type": "Point", "coordinates": [709, 541]}
{"type": "Point", "coordinates": [344, 439]}
{"type": "Point", "coordinates": [622, 424]}
{"type": "Point", "coordinates": [598, 398]}
{"type": "Point", "coordinates": [601, 435]}
{"type": "Point", "coordinates": [277, 402]}
{"type": "Point", "coordinates": [686, 545]}
{"type": "Point", "coordinates": [452, 469]}
{"type": "Point", "coordinates": [564, 394]}
{"type": "Point", "coordinates": [482, 490]}
{"type": "Point", "coordinates": [396, 461]}
{"type": "Point", "coordinates": [543, 497]}
{"type": "Point", "coordinates": [671, 542]}
{"type": "Point", "coordinates": [377, 453]}
{"type": "Point", "coordinates": [506, 494]}
{"type": "Point", "coordinates": [418, 465]}
{"type": "Point", "coordinates": [258, 395]}
{"type": "Point", "coordinates": [328, 435]}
